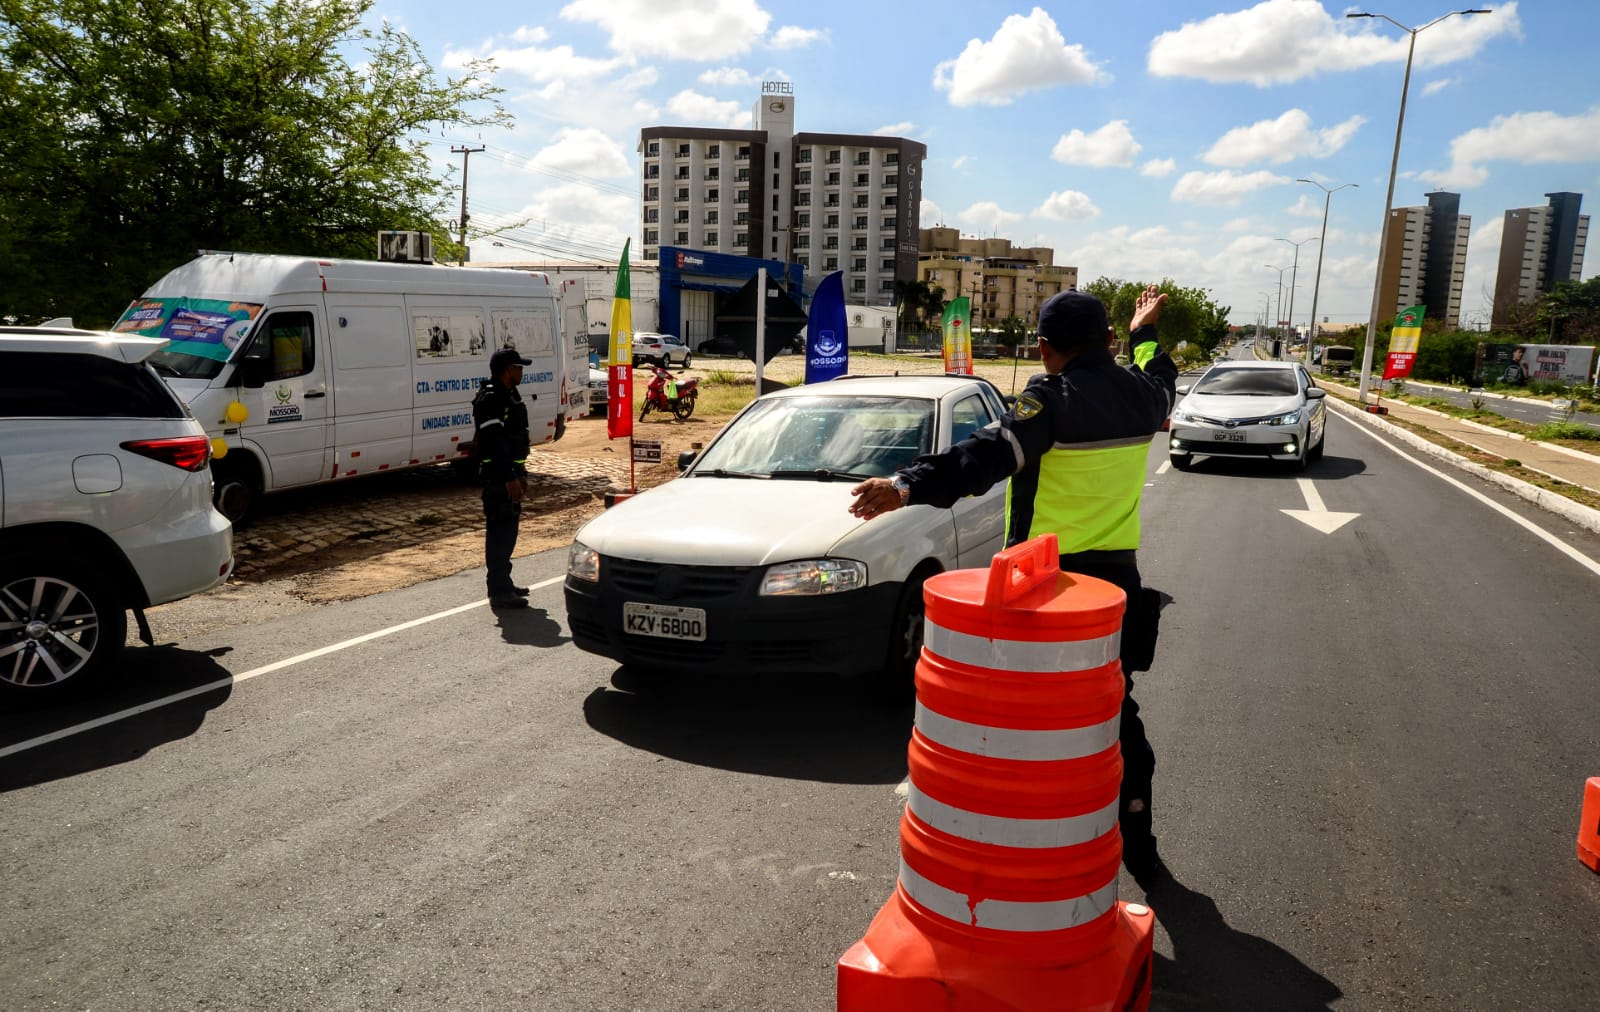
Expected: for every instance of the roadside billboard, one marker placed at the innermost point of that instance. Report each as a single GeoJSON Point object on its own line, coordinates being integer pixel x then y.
{"type": "Point", "coordinates": [1522, 363]}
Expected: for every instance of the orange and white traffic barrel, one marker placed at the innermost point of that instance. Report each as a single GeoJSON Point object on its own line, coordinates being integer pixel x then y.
{"type": "Point", "coordinates": [1009, 847]}
{"type": "Point", "coordinates": [1589, 825]}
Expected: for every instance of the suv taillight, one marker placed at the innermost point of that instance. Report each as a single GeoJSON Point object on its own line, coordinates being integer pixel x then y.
{"type": "Point", "coordinates": [188, 452]}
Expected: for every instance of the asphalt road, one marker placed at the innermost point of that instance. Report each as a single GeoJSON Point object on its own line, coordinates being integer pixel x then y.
{"type": "Point", "coordinates": [1534, 413]}
{"type": "Point", "coordinates": [1371, 743]}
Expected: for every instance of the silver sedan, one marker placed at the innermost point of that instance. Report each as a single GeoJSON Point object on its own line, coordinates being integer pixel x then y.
{"type": "Point", "coordinates": [1270, 410]}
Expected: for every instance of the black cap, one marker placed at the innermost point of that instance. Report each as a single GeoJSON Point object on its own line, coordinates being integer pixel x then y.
{"type": "Point", "coordinates": [505, 357]}
{"type": "Point", "coordinates": [1073, 319]}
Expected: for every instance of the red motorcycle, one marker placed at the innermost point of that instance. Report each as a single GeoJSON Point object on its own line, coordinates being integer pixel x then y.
{"type": "Point", "coordinates": [668, 394]}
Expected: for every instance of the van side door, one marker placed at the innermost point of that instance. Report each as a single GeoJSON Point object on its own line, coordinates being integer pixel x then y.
{"type": "Point", "coordinates": [531, 329]}
{"type": "Point", "coordinates": [371, 376]}
{"type": "Point", "coordinates": [284, 387]}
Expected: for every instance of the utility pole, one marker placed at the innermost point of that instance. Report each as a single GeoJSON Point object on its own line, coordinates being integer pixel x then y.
{"type": "Point", "coordinates": [466, 154]}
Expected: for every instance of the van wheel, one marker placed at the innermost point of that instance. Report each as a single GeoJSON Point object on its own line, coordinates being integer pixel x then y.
{"type": "Point", "coordinates": [60, 628]}
{"type": "Point", "coordinates": [238, 488]}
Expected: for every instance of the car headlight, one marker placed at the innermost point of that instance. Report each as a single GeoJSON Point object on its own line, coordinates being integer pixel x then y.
{"type": "Point", "coordinates": [1180, 415]}
{"type": "Point", "coordinates": [811, 577]}
{"type": "Point", "coordinates": [1289, 418]}
{"type": "Point", "coordinates": [583, 563]}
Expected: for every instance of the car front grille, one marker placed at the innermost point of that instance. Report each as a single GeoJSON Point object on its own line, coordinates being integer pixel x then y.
{"type": "Point", "coordinates": [653, 580]}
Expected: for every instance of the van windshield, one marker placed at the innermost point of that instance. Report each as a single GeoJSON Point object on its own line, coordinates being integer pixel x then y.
{"type": "Point", "coordinates": [204, 332]}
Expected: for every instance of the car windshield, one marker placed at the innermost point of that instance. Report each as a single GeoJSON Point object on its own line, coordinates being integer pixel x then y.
{"type": "Point", "coordinates": [1248, 383]}
{"type": "Point", "coordinates": [203, 332]}
{"type": "Point", "coordinates": [825, 436]}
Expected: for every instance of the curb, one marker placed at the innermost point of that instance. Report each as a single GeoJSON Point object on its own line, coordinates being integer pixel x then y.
{"type": "Point", "coordinates": [1575, 513]}
{"type": "Point", "coordinates": [1502, 433]}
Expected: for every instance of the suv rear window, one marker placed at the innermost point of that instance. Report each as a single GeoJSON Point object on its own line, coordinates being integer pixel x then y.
{"type": "Point", "coordinates": [63, 385]}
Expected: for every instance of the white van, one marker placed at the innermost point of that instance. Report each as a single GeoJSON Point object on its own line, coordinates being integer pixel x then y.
{"type": "Point", "coordinates": [344, 367]}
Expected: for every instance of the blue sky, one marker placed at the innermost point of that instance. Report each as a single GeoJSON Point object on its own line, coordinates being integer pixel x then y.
{"type": "Point", "coordinates": [1140, 140]}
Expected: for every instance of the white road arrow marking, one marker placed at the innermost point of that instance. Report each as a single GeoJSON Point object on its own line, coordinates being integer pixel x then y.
{"type": "Point", "coordinates": [1316, 515]}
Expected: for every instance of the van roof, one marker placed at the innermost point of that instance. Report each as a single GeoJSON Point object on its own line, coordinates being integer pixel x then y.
{"type": "Point", "coordinates": [256, 276]}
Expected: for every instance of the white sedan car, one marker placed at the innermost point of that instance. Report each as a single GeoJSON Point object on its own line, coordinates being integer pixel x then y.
{"type": "Point", "coordinates": [1270, 410]}
{"type": "Point", "coordinates": [751, 561]}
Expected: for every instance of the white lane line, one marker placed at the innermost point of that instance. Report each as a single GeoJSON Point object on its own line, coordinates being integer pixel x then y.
{"type": "Point", "coordinates": [1166, 465]}
{"type": "Point", "coordinates": [1313, 497]}
{"type": "Point", "coordinates": [265, 669]}
{"type": "Point", "coordinates": [1572, 553]}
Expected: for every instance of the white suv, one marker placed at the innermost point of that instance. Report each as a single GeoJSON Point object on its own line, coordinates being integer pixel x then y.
{"type": "Point", "coordinates": [105, 504]}
{"type": "Point", "coordinates": [660, 349]}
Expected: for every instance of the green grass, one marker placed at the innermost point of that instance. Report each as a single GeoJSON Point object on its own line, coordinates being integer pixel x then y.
{"type": "Point", "coordinates": [1564, 430]}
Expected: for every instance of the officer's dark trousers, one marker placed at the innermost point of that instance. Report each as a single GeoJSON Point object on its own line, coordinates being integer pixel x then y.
{"type": "Point", "coordinates": [1138, 758]}
{"type": "Point", "coordinates": [501, 518]}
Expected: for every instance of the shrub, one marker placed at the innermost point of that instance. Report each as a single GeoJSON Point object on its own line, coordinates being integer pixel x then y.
{"type": "Point", "coordinates": [1564, 430]}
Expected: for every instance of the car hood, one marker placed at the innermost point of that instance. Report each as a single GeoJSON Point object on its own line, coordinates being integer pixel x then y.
{"type": "Point", "coordinates": [726, 522]}
{"type": "Point", "coordinates": [1236, 406]}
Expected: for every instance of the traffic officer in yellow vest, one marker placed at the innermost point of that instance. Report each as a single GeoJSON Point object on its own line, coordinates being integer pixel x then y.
{"type": "Point", "coordinates": [1075, 446]}
{"type": "Point", "coordinates": [502, 441]}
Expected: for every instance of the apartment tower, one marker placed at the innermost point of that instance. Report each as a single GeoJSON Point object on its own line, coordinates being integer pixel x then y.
{"type": "Point", "coordinates": [826, 201]}
{"type": "Point", "coordinates": [1538, 247]}
{"type": "Point", "coordinates": [1426, 260]}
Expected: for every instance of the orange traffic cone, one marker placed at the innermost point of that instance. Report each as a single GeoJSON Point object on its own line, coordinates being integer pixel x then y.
{"type": "Point", "coordinates": [1009, 847]}
{"type": "Point", "coordinates": [1589, 825]}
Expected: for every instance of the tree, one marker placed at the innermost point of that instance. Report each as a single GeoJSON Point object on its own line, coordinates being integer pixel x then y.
{"type": "Point", "coordinates": [1570, 312]}
{"type": "Point", "coordinates": [135, 132]}
{"type": "Point", "coordinates": [1189, 314]}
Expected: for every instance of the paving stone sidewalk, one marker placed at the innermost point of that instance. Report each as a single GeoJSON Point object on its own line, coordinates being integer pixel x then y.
{"type": "Point", "coordinates": [404, 509]}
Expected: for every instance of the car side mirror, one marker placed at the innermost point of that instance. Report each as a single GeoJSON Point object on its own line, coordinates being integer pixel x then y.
{"type": "Point", "coordinates": [1184, 388]}
{"type": "Point", "coordinates": [686, 458]}
{"type": "Point", "coordinates": [254, 372]}
{"type": "Point", "coordinates": [1315, 394]}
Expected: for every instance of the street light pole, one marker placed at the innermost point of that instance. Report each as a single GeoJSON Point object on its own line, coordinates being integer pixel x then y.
{"type": "Point", "coordinates": [1394, 164]}
{"type": "Point", "coordinates": [1316, 286]}
{"type": "Point", "coordinates": [1277, 321]}
{"type": "Point", "coordinates": [1294, 278]}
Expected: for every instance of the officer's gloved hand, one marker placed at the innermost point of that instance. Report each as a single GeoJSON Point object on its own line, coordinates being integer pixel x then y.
{"type": "Point", "coordinates": [1145, 352]}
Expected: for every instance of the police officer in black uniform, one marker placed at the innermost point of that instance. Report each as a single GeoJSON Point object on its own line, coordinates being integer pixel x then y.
{"type": "Point", "coordinates": [501, 435]}
{"type": "Point", "coordinates": [1075, 446]}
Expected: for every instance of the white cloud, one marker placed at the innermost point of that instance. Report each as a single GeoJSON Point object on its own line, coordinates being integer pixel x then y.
{"type": "Point", "coordinates": [961, 161]}
{"type": "Point", "coordinates": [1528, 138]}
{"type": "Point", "coordinates": [568, 215]}
{"type": "Point", "coordinates": [930, 213]}
{"type": "Point", "coordinates": [1280, 140]}
{"type": "Point", "coordinates": [557, 65]}
{"type": "Point", "coordinates": [1483, 262]}
{"type": "Point", "coordinates": [1280, 41]}
{"type": "Point", "coordinates": [1223, 187]}
{"type": "Point", "coordinates": [1158, 167]}
{"type": "Point", "coordinates": [1026, 54]}
{"type": "Point", "coordinates": [690, 107]}
{"type": "Point", "coordinates": [1067, 205]}
{"type": "Point", "coordinates": [895, 130]}
{"type": "Point", "coordinates": [726, 77]}
{"type": "Point", "coordinates": [1111, 145]}
{"type": "Point", "coordinates": [704, 30]}
{"type": "Point", "coordinates": [530, 34]}
{"type": "Point", "coordinates": [1306, 207]}
{"type": "Point", "coordinates": [986, 216]}
{"type": "Point", "coordinates": [1434, 87]}
{"type": "Point", "coordinates": [584, 151]}
{"type": "Point", "coordinates": [1238, 225]}
{"type": "Point", "coordinates": [792, 37]}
